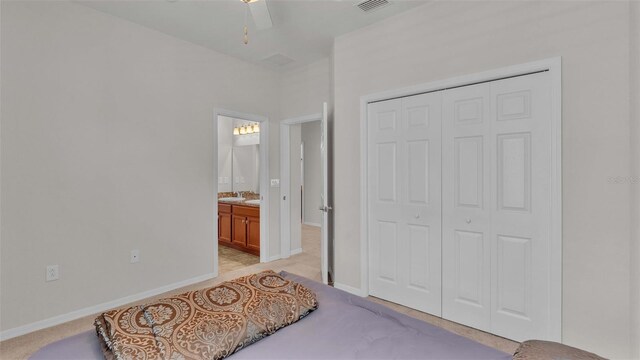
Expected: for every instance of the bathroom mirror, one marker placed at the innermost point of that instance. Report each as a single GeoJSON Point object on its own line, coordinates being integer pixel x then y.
{"type": "Point", "coordinates": [238, 156]}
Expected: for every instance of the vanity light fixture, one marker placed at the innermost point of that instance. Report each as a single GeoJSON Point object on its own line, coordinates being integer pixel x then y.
{"type": "Point", "coordinates": [247, 129]}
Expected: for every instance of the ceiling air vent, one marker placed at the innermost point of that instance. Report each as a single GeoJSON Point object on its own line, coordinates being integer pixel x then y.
{"type": "Point", "coordinates": [370, 5]}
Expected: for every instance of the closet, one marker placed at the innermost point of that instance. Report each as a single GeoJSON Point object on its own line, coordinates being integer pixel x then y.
{"type": "Point", "coordinates": [460, 202]}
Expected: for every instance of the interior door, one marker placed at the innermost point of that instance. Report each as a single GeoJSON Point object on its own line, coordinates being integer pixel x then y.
{"type": "Point", "coordinates": [405, 201]}
{"type": "Point", "coordinates": [325, 207]}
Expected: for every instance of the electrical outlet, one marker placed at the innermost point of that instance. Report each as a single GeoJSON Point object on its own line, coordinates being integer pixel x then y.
{"type": "Point", "coordinates": [52, 273]}
{"type": "Point", "coordinates": [135, 256]}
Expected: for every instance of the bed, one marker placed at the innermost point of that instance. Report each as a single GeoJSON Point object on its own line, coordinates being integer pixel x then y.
{"type": "Point", "coordinates": [343, 327]}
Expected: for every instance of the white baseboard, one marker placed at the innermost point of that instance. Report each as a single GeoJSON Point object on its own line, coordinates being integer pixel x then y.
{"type": "Point", "coordinates": [296, 251]}
{"type": "Point", "coordinates": [350, 289]}
{"type": "Point", "coordinates": [311, 224]}
{"type": "Point", "coordinates": [275, 257]}
{"type": "Point", "coordinates": [59, 319]}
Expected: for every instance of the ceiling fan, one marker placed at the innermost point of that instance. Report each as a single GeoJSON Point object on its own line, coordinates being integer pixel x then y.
{"type": "Point", "coordinates": [261, 16]}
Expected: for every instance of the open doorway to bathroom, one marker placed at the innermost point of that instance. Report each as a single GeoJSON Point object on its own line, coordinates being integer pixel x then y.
{"type": "Point", "coordinates": [240, 199]}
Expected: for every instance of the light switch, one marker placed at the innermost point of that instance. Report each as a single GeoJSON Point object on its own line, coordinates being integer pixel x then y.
{"type": "Point", "coordinates": [275, 182]}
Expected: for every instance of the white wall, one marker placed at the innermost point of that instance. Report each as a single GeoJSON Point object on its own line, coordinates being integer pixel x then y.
{"type": "Point", "coordinates": [634, 42]}
{"type": "Point", "coordinates": [449, 38]}
{"type": "Point", "coordinates": [225, 147]}
{"type": "Point", "coordinates": [312, 172]}
{"type": "Point", "coordinates": [295, 197]}
{"type": "Point", "coordinates": [303, 90]}
{"type": "Point", "coordinates": [107, 146]}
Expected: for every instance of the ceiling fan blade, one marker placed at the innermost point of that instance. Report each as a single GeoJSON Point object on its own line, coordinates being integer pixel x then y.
{"type": "Point", "coordinates": [260, 13]}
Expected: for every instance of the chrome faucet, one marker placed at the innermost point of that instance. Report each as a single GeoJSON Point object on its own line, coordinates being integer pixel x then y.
{"type": "Point", "coordinates": [240, 194]}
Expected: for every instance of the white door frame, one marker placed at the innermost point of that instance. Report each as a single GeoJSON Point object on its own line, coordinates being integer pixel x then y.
{"type": "Point", "coordinates": [285, 179]}
{"type": "Point", "coordinates": [264, 179]}
{"type": "Point", "coordinates": [554, 67]}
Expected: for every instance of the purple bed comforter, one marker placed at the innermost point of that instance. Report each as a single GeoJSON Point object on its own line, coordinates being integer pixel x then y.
{"type": "Point", "coordinates": [343, 327]}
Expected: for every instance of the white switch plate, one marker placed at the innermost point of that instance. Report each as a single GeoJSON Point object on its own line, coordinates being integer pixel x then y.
{"type": "Point", "coordinates": [275, 182]}
{"type": "Point", "coordinates": [53, 273]}
{"type": "Point", "coordinates": [135, 256]}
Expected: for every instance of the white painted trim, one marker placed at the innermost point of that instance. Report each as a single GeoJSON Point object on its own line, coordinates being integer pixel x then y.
{"type": "Point", "coordinates": [302, 119]}
{"type": "Point", "coordinates": [350, 289]}
{"type": "Point", "coordinates": [554, 66]}
{"type": "Point", "coordinates": [364, 201]}
{"type": "Point", "coordinates": [555, 251]}
{"type": "Point", "coordinates": [264, 178]}
{"type": "Point", "coordinates": [296, 251]}
{"type": "Point", "coordinates": [95, 309]}
{"type": "Point", "coordinates": [285, 179]}
{"type": "Point", "coordinates": [311, 224]}
{"type": "Point", "coordinates": [285, 186]}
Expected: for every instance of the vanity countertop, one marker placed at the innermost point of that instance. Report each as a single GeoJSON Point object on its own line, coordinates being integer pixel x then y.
{"type": "Point", "coordinates": [249, 199]}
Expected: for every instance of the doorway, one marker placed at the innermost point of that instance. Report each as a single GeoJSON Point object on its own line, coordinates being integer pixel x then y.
{"type": "Point", "coordinates": [241, 187]}
{"type": "Point", "coordinates": [304, 190]}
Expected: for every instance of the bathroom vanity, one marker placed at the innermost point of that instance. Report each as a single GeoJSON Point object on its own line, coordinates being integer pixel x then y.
{"type": "Point", "coordinates": [239, 225]}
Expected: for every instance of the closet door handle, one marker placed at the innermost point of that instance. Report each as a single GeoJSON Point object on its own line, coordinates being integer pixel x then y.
{"type": "Point", "coordinates": [468, 221]}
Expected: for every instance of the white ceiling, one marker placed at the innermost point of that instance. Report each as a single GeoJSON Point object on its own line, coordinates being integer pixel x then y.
{"type": "Point", "coordinates": [302, 30]}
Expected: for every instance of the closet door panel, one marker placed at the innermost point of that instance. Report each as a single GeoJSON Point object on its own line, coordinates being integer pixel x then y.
{"type": "Point", "coordinates": [466, 218]}
{"type": "Point", "coordinates": [385, 220]}
{"type": "Point", "coordinates": [404, 191]}
{"type": "Point", "coordinates": [421, 200]}
{"type": "Point", "coordinates": [521, 125]}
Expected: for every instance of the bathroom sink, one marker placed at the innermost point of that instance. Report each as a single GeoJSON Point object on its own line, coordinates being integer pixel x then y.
{"type": "Point", "coordinates": [253, 202]}
{"type": "Point", "coordinates": [231, 199]}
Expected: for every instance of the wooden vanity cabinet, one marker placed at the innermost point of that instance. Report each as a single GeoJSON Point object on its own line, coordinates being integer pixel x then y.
{"type": "Point", "coordinates": [243, 223]}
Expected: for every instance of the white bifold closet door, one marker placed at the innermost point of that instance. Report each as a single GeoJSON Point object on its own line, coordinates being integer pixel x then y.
{"type": "Point", "coordinates": [405, 208]}
{"type": "Point", "coordinates": [459, 193]}
{"type": "Point", "coordinates": [496, 175]}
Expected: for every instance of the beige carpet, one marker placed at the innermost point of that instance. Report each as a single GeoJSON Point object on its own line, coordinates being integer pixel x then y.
{"type": "Point", "coordinates": [306, 264]}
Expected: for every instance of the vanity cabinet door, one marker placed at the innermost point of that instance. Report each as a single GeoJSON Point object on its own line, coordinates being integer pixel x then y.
{"type": "Point", "coordinates": [253, 234]}
{"type": "Point", "coordinates": [239, 234]}
{"type": "Point", "coordinates": [224, 227]}
{"type": "Point", "coordinates": [224, 223]}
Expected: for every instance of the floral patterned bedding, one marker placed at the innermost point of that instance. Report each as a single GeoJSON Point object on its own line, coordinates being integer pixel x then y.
{"type": "Point", "coordinates": [210, 323]}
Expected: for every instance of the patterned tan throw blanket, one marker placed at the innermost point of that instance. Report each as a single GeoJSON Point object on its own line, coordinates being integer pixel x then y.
{"type": "Point", "coordinates": [211, 323]}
